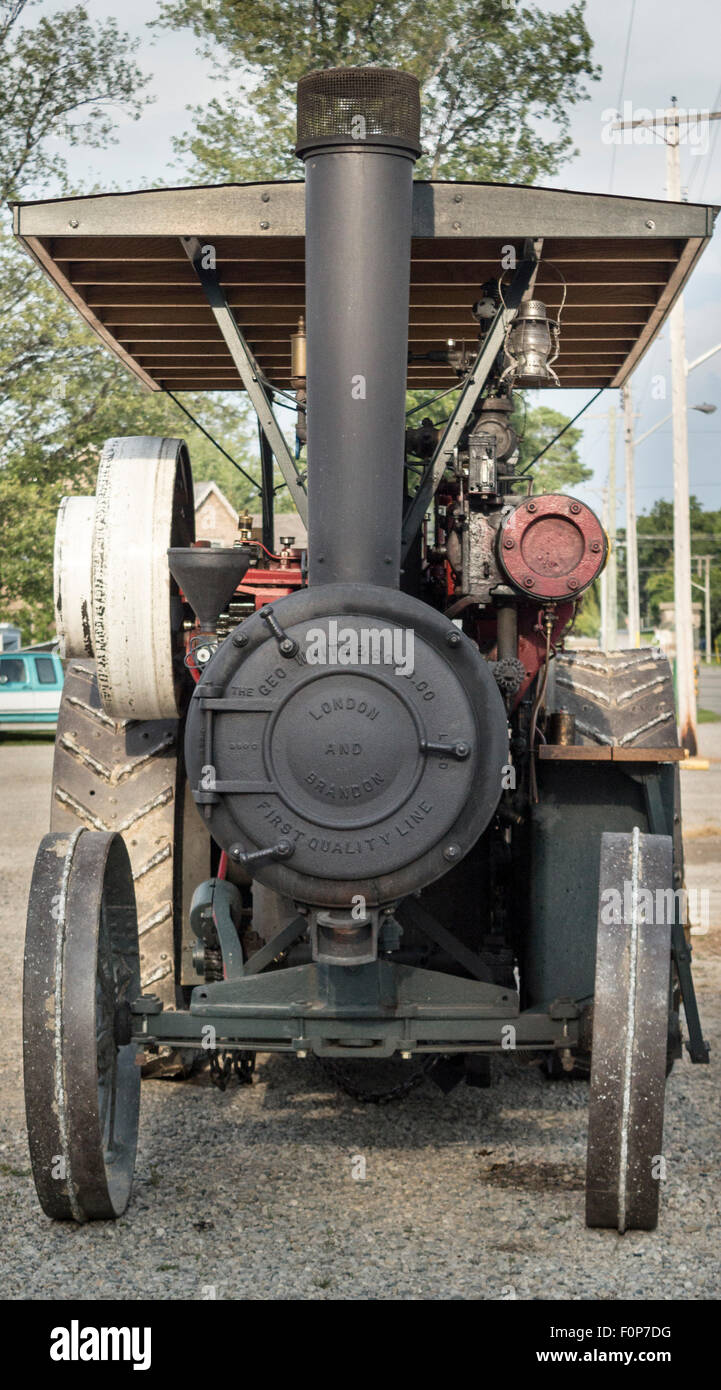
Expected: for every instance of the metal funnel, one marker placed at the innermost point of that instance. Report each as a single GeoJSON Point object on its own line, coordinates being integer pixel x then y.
{"type": "Point", "coordinates": [209, 576]}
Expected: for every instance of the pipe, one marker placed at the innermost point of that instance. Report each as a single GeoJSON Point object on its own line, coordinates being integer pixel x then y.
{"type": "Point", "coordinates": [358, 132]}
{"type": "Point", "coordinates": [507, 629]}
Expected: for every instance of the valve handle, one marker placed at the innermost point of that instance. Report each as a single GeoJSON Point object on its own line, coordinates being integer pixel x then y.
{"type": "Point", "coordinates": [458, 750]}
{"type": "Point", "coordinates": [255, 858]}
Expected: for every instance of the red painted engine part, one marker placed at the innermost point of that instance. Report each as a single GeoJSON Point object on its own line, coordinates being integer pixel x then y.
{"type": "Point", "coordinates": [267, 585]}
{"type": "Point", "coordinates": [531, 638]}
{"type": "Point", "coordinates": [552, 547]}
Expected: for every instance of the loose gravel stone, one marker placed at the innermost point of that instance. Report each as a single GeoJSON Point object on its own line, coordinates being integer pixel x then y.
{"type": "Point", "coordinates": [475, 1195]}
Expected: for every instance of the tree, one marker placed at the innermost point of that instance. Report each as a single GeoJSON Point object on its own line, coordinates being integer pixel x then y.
{"type": "Point", "coordinates": [51, 444]}
{"type": "Point", "coordinates": [493, 78]}
{"type": "Point", "coordinates": [560, 467]}
{"type": "Point", "coordinates": [588, 620]}
{"type": "Point", "coordinates": [63, 394]}
{"type": "Point", "coordinates": [655, 549]}
{"type": "Point", "coordinates": [62, 77]}
{"type": "Point", "coordinates": [488, 74]}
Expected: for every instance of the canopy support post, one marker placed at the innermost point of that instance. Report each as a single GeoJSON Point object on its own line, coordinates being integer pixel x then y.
{"type": "Point", "coordinates": [267, 495]}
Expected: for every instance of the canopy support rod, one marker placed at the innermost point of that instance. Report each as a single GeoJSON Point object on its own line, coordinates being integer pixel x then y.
{"type": "Point", "coordinates": [267, 495]}
{"type": "Point", "coordinates": [248, 370]}
{"type": "Point", "coordinates": [468, 399]}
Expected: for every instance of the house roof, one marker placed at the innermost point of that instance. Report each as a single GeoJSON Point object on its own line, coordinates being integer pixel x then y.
{"type": "Point", "coordinates": [117, 257]}
{"type": "Point", "coordinates": [203, 490]}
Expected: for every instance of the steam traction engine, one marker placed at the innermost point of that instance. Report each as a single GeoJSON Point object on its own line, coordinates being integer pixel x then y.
{"type": "Point", "coordinates": [380, 818]}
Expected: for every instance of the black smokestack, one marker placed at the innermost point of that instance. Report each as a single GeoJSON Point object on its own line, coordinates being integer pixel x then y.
{"type": "Point", "coordinates": [358, 134]}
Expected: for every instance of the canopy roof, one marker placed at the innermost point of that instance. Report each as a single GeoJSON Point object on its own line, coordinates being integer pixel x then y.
{"type": "Point", "coordinates": [117, 257]}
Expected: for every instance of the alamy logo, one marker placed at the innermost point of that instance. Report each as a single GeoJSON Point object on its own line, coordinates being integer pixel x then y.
{"type": "Point", "coordinates": [76, 1343]}
{"type": "Point", "coordinates": [639, 125]}
{"type": "Point", "coordinates": [364, 646]}
{"type": "Point", "coordinates": [688, 906]}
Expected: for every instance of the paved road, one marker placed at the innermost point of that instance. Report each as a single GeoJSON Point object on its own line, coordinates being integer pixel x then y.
{"type": "Point", "coordinates": [474, 1195]}
{"type": "Point", "coordinates": [709, 688]}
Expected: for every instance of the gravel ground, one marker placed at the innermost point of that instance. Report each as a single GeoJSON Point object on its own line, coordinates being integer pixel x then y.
{"type": "Point", "coordinates": [475, 1195]}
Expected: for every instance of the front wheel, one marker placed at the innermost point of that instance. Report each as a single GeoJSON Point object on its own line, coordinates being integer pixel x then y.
{"type": "Point", "coordinates": [82, 1084]}
{"type": "Point", "coordinates": [625, 1163]}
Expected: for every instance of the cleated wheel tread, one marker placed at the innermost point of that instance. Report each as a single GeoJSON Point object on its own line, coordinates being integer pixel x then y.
{"type": "Point", "coordinates": [125, 776]}
{"type": "Point", "coordinates": [625, 1160]}
{"type": "Point", "coordinates": [618, 698]}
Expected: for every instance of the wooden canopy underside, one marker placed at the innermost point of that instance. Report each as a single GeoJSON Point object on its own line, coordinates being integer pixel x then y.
{"type": "Point", "coordinates": [118, 259]}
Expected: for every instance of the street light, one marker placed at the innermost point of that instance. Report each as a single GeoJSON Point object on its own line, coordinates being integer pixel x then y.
{"type": "Point", "coordinates": [705, 409]}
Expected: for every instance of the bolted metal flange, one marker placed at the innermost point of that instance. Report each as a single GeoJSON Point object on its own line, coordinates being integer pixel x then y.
{"type": "Point", "coordinates": [366, 754]}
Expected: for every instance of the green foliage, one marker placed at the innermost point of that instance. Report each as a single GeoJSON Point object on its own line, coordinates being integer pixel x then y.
{"type": "Point", "coordinates": [588, 620]}
{"type": "Point", "coordinates": [63, 394]}
{"type": "Point", "coordinates": [68, 400]}
{"type": "Point", "coordinates": [426, 406]}
{"type": "Point", "coordinates": [560, 468]}
{"type": "Point", "coordinates": [490, 74]}
{"type": "Point", "coordinates": [656, 560]}
{"type": "Point", "coordinates": [61, 77]}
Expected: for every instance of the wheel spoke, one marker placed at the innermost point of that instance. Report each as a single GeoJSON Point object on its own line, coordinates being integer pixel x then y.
{"type": "Point", "coordinates": [113, 1089]}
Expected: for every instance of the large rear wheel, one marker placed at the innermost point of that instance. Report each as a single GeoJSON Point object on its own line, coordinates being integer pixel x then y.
{"type": "Point", "coordinates": [144, 506]}
{"type": "Point", "coordinates": [126, 776]}
{"type": "Point", "coordinates": [623, 698]}
{"type": "Point", "coordinates": [129, 776]}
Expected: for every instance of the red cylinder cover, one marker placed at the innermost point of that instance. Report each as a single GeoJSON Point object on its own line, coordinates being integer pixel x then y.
{"type": "Point", "coordinates": [552, 547]}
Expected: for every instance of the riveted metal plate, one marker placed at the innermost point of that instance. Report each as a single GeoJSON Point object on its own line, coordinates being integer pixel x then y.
{"type": "Point", "coordinates": [373, 748]}
{"type": "Point", "coordinates": [552, 547]}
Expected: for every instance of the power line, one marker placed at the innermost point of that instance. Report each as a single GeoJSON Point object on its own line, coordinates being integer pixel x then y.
{"type": "Point", "coordinates": [213, 441]}
{"type": "Point", "coordinates": [671, 121]}
{"type": "Point", "coordinates": [700, 163]}
{"type": "Point", "coordinates": [556, 437]}
{"type": "Point", "coordinates": [620, 90]}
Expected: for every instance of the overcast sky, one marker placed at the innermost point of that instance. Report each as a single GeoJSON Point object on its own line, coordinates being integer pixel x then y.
{"type": "Point", "coordinates": [673, 51]}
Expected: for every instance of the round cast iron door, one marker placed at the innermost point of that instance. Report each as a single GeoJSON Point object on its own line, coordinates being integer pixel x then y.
{"type": "Point", "coordinates": [552, 547]}
{"type": "Point", "coordinates": [358, 726]}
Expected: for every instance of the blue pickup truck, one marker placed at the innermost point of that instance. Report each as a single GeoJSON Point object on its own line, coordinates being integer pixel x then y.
{"type": "Point", "coordinates": [31, 684]}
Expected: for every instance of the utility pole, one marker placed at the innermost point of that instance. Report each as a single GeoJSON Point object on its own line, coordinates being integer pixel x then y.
{"type": "Point", "coordinates": [611, 635]}
{"type": "Point", "coordinates": [682, 596]}
{"type": "Point", "coordinates": [707, 614]}
{"type": "Point", "coordinates": [608, 583]}
{"type": "Point", "coordinates": [604, 580]}
{"type": "Point", "coordinates": [634, 612]}
{"type": "Point", "coordinates": [705, 560]}
{"type": "Point", "coordinates": [670, 124]}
